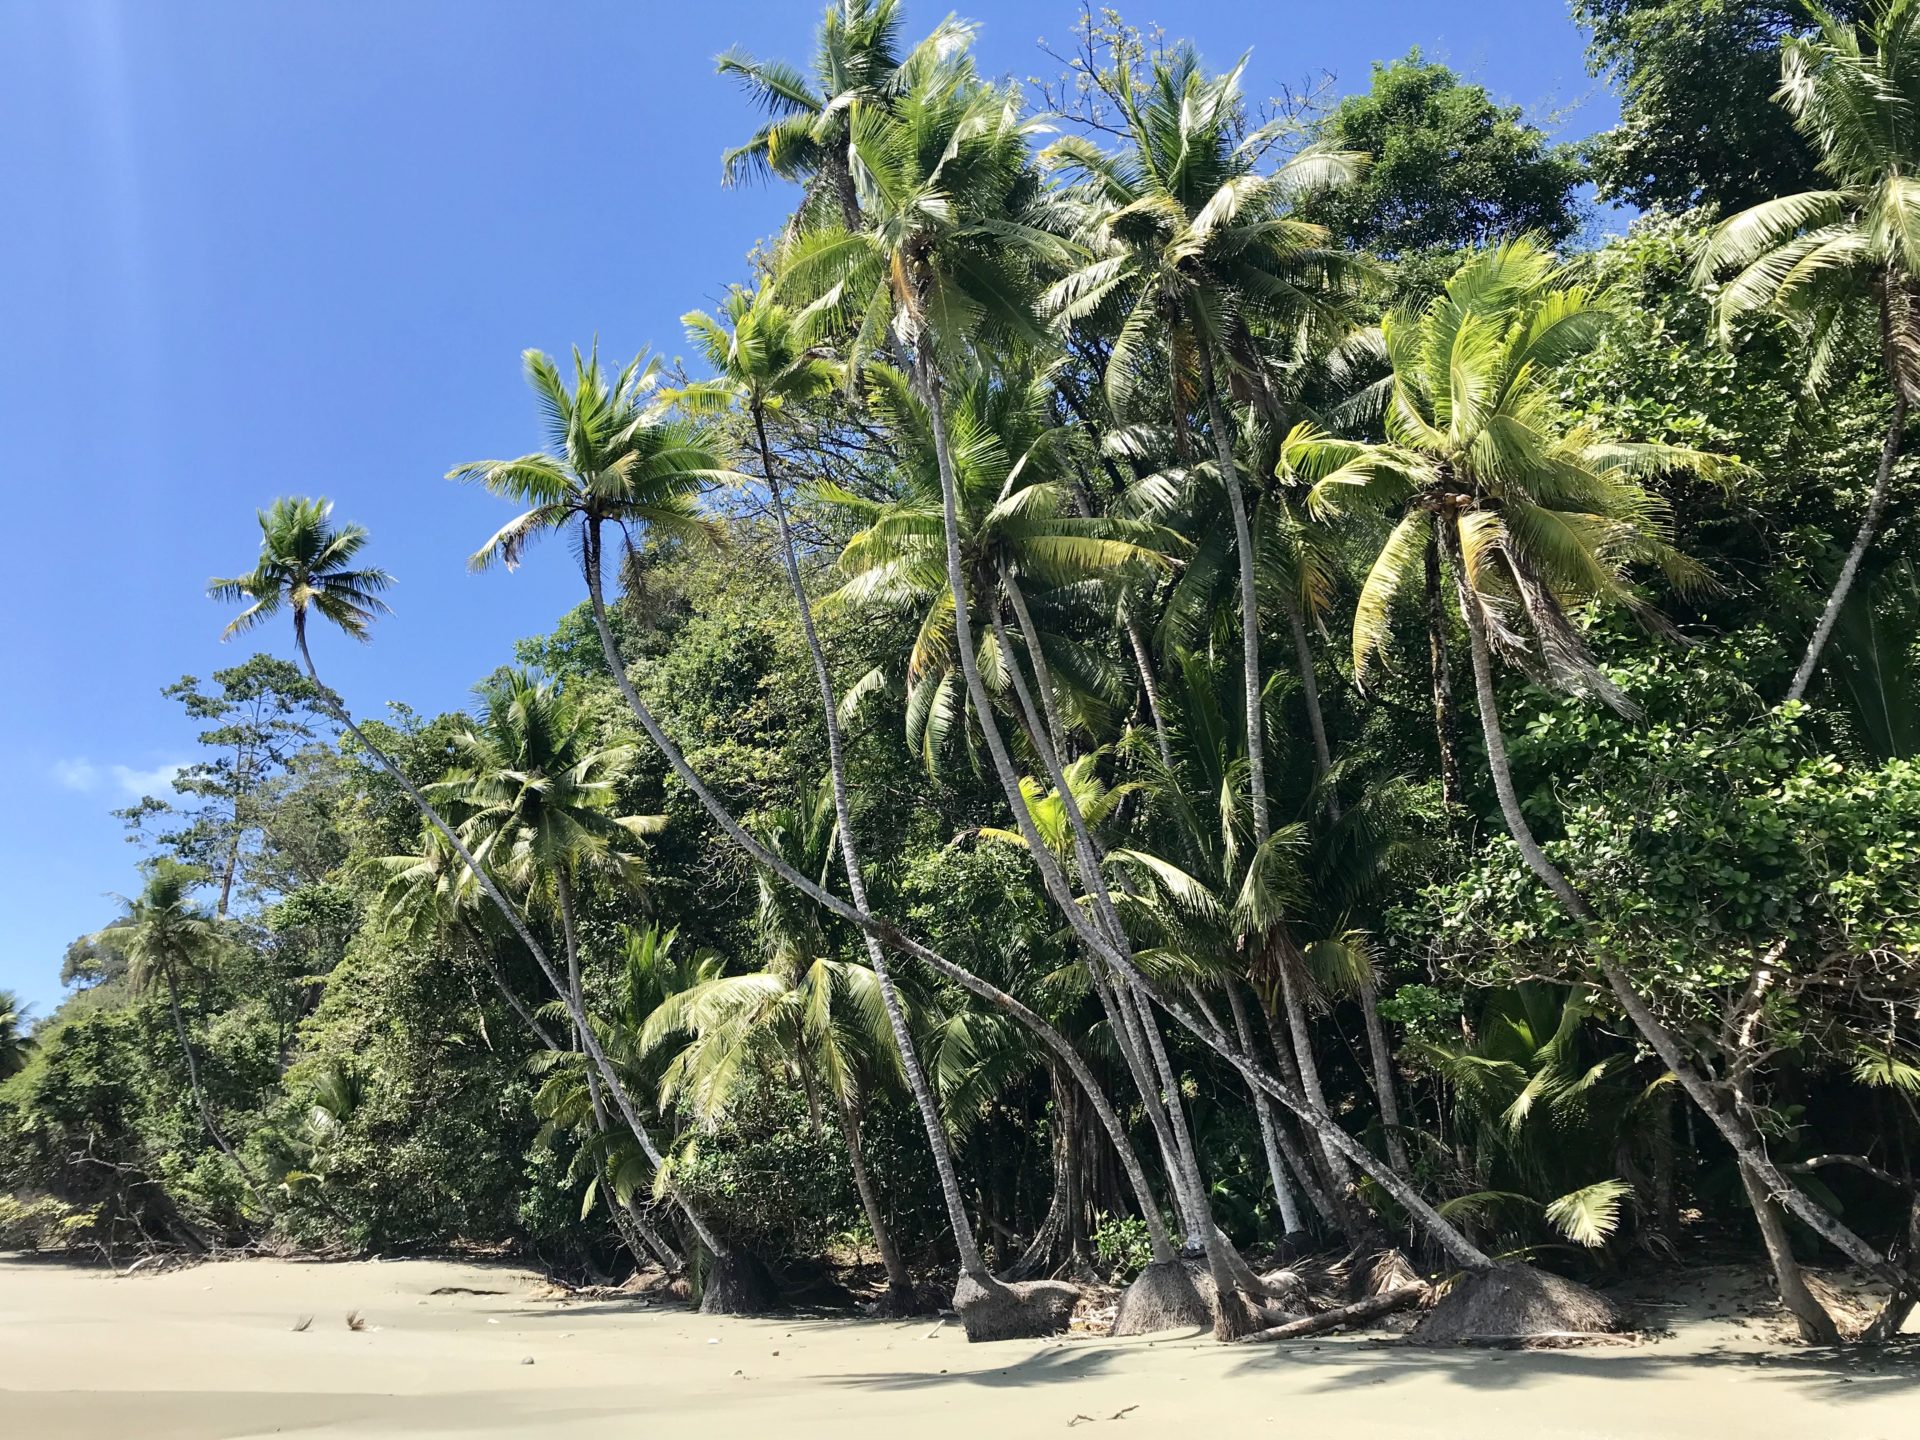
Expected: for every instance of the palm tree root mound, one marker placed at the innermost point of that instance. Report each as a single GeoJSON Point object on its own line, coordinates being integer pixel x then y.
{"type": "Point", "coordinates": [1163, 1298]}
{"type": "Point", "coordinates": [1516, 1305]}
{"type": "Point", "coordinates": [738, 1284]}
{"type": "Point", "coordinates": [1022, 1310]}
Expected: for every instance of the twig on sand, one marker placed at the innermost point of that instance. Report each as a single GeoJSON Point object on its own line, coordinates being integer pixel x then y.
{"type": "Point", "coordinates": [302, 1323]}
{"type": "Point", "coordinates": [355, 1321]}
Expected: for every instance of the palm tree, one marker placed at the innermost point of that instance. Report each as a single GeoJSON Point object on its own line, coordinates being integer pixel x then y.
{"type": "Point", "coordinates": [856, 63]}
{"type": "Point", "coordinates": [822, 1021]}
{"type": "Point", "coordinates": [762, 367]}
{"type": "Point", "coordinates": [1823, 259]}
{"type": "Point", "coordinates": [165, 937]}
{"type": "Point", "coordinates": [944, 264]}
{"type": "Point", "coordinates": [1534, 514]}
{"type": "Point", "coordinates": [16, 1041]}
{"type": "Point", "coordinates": [1192, 242]}
{"type": "Point", "coordinates": [1017, 521]}
{"type": "Point", "coordinates": [539, 800]}
{"type": "Point", "coordinates": [306, 567]}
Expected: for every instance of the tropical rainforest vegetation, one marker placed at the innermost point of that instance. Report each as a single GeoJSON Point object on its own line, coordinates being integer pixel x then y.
{"type": "Point", "coordinates": [1175, 680]}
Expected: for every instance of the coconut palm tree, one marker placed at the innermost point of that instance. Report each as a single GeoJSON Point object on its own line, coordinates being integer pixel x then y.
{"type": "Point", "coordinates": [761, 368]}
{"type": "Point", "coordinates": [944, 267]}
{"type": "Point", "coordinates": [1018, 522]}
{"type": "Point", "coordinates": [166, 938]}
{"type": "Point", "coordinates": [1190, 241]}
{"type": "Point", "coordinates": [306, 567]}
{"type": "Point", "coordinates": [1535, 514]}
{"type": "Point", "coordinates": [1827, 259]}
{"type": "Point", "coordinates": [16, 1042]}
{"type": "Point", "coordinates": [821, 1021]}
{"type": "Point", "coordinates": [856, 63]}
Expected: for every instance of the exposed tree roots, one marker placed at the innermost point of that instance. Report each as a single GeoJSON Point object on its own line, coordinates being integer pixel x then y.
{"type": "Point", "coordinates": [738, 1284]}
{"type": "Point", "coordinates": [1023, 1310]}
{"type": "Point", "coordinates": [1163, 1298]}
{"type": "Point", "coordinates": [1515, 1305]}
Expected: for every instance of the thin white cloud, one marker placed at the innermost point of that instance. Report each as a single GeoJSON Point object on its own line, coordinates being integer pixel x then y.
{"type": "Point", "coordinates": [80, 773]}
{"type": "Point", "coordinates": [76, 774]}
{"type": "Point", "coordinates": [157, 781]}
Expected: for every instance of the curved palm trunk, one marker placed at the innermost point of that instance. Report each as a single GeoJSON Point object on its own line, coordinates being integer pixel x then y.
{"type": "Point", "coordinates": [970, 1258]}
{"type": "Point", "coordinates": [511, 914]}
{"type": "Point", "coordinates": [1862, 540]}
{"type": "Point", "coordinates": [1733, 1126]}
{"type": "Point", "coordinates": [1231, 1314]}
{"type": "Point", "coordinates": [1423, 1214]}
{"type": "Point", "coordinates": [1182, 1156]}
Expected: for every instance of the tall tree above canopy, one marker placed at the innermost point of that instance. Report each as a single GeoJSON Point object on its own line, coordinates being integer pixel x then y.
{"type": "Point", "coordinates": [1450, 168]}
{"type": "Point", "coordinates": [1697, 125]}
{"type": "Point", "coordinates": [1843, 255]}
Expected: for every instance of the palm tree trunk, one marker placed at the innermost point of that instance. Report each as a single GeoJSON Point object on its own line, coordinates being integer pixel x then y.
{"type": "Point", "coordinates": [1249, 596]}
{"type": "Point", "coordinates": [970, 1258]}
{"type": "Point", "coordinates": [1443, 724]}
{"type": "Point", "coordinates": [511, 914]}
{"type": "Point", "coordinates": [1150, 687]}
{"type": "Point", "coordinates": [1382, 1061]}
{"type": "Point", "coordinates": [899, 1282]}
{"type": "Point", "coordinates": [1283, 1196]}
{"type": "Point", "coordinates": [1310, 695]}
{"type": "Point", "coordinates": [1738, 1132]}
{"type": "Point", "coordinates": [1850, 567]}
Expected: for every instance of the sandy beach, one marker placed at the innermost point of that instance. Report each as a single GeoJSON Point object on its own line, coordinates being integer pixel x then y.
{"type": "Point", "coordinates": [212, 1351]}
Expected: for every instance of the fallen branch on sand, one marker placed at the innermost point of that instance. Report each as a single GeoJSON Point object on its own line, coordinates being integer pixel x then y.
{"type": "Point", "coordinates": [1400, 1298]}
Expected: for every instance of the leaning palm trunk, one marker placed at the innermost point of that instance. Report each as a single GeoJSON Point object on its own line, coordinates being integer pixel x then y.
{"type": "Point", "coordinates": [863, 920]}
{"type": "Point", "coordinates": [1733, 1125]}
{"type": "Point", "coordinates": [1283, 1197]}
{"type": "Point", "coordinates": [1445, 1234]}
{"type": "Point", "coordinates": [971, 1263]}
{"type": "Point", "coordinates": [900, 1299]}
{"type": "Point", "coordinates": [1232, 1317]}
{"type": "Point", "coordinates": [1135, 1032]}
{"type": "Point", "coordinates": [582, 1025]}
{"type": "Point", "coordinates": [1850, 567]}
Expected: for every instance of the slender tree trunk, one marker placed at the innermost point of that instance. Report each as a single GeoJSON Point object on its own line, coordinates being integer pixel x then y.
{"type": "Point", "coordinates": [1862, 540]}
{"type": "Point", "coordinates": [1249, 596]}
{"type": "Point", "coordinates": [899, 1282]}
{"type": "Point", "coordinates": [1810, 1317]}
{"type": "Point", "coordinates": [1283, 1196]}
{"type": "Point", "coordinates": [1150, 687]}
{"type": "Point", "coordinates": [1310, 695]}
{"type": "Point", "coordinates": [511, 914]}
{"type": "Point", "coordinates": [1382, 1060]}
{"type": "Point", "coordinates": [970, 1258]}
{"type": "Point", "coordinates": [1443, 723]}
{"type": "Point", "coordinates": [1733, 1127]}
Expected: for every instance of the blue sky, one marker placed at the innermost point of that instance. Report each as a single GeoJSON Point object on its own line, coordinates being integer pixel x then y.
{"type": "Point", "coordinates": [257, 247]}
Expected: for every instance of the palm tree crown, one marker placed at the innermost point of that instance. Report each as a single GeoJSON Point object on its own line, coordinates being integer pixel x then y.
{"type": "Point", "coordinates": [306, 564]}
{"type": "Point", "coordinates": [1543, 514]}
{"type": "Point", "coordinates": [538, 797]}
{"type": "Point", "coordinates": [164, 935]}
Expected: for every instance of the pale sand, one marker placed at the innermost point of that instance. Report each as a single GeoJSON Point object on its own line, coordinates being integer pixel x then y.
{"type": "Point", "coordinates": [211, 1352]}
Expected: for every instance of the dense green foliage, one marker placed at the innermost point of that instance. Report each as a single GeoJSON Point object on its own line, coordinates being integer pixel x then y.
{"type": "Point", "coordinates": [1289, 719]}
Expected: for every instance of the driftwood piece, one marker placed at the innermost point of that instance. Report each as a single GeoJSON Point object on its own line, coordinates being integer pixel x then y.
{"type": "Point", "coordinates": [1370, 1308]}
